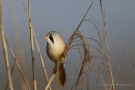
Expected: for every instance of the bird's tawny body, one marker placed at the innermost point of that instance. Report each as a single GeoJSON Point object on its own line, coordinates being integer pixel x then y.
{"type": "Point", "coordinates": [55, 49]}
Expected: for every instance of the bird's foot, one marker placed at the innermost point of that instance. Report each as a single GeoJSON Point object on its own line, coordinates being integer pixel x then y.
{"type": "Point", "coordinates": [55, 69]}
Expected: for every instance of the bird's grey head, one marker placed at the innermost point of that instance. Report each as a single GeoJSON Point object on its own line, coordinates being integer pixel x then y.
{"type": "Point", "coordinates": [50, 36]}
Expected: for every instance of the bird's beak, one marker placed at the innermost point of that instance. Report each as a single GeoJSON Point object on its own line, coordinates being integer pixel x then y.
{"type": "Point", "coordinates": [46, 37]}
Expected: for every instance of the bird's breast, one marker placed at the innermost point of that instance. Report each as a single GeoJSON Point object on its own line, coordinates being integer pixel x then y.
{"type": "Point", "coordinates": [55, 50]}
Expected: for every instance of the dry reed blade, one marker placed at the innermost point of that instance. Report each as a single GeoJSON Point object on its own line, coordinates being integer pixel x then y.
{"type": "Point", "coordinates": [72, 38]}
{"type": "Point", "coordinates": [5, 50]}
{"type": "Point", "coordinates": [103, 82]}
{"type": "Point", "coordinates": [106, 42]}
{"type": "Point", "coordinates": [128, 50]}
{"type": "Point", "coordinates": [89, 20]}
{"type": "Point", "coordinates": [119, 65]}
{"type": "Point", "coordinates": [16, 62]}
{"type": "Point", "coordinates": [40, 55]}
{"type": "Point", "coordinates": [32, 50]}
{"type": "Point", "coordinates": [85, 15]}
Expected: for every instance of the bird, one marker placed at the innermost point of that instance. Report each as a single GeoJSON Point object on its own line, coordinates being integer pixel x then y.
{"type": "Point", "coordinates": [55, 50]}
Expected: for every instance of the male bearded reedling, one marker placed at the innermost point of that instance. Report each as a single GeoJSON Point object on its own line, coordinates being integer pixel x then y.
{"type": "Point", "coordinates": [55, 50]}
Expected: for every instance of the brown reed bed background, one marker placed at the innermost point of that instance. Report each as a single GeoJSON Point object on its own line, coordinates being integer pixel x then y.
{"type": "Point", "coordinates": [76, 41]}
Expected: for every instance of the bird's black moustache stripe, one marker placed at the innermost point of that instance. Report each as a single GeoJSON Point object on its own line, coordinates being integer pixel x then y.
{"type": "Point", "coordinates": [51, 38]}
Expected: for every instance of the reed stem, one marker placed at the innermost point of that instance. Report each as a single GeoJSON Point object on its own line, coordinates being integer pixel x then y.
{"type": "Point", "coordinates": [106, 42]}
{"type": "Point", "coordinates": [50, 82]}
{"type": "Point", "coordinates": [20, 70]}
{"type": "Point", "coordinates": [32, 50]}
{"type": "Point", "coordinates": [5, 50]}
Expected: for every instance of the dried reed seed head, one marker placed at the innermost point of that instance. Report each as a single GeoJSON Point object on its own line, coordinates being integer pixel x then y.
{"type": "Point", "coordinates": [78, 40]}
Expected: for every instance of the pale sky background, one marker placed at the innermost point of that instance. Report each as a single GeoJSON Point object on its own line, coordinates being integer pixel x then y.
{"type": "Point", "coordinates": [64, 16]}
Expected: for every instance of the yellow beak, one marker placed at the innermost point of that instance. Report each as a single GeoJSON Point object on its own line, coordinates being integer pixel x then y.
{"type": "Point", "coordinates": [46, 37]}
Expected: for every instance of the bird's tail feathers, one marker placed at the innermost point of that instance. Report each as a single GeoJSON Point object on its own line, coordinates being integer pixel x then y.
{"type": "Point", "coordinates": [62, 74]}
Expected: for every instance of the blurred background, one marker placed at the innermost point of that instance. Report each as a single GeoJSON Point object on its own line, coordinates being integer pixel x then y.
{"type": "Point", "coordinates": [64, 17]}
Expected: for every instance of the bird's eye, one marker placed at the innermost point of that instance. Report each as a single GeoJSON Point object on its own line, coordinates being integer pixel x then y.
{"type": "Point", "coordinates": [51, 38]}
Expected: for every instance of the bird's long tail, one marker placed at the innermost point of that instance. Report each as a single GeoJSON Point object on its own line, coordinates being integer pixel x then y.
{"type": "Point", "coordinates": [62, 74]}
